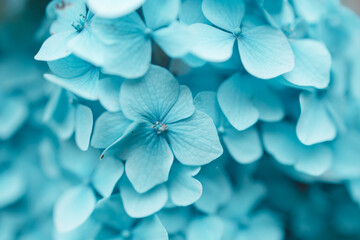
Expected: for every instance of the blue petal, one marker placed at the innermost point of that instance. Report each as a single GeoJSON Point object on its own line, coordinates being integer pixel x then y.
{"type": "Point", "coordinates": [109, 93]}
{"type": "Point", "coordinates": [67, 12]}
{"type": "Point", "coordinates": [244, 99]}
{"type": "Point", "coordinates": [55, 47]}
{"type": "Point", "coordinates": [244, 146]}
{"type": "Point", "coordinates": [128, 50]}
{"type": "Point", "coordinates": [73, 208]}
{"type": "Point", "coordinates": [83, 126]}
{"type": "Point", "coordinates": [88, 46]}
{"type": "Point", "coordinates": [159, 13]}
{"type": "Point", "coordinates": [151, 166]}
{"type": "Point", "coordinates": [110, 211]}
{"type": "Point", "coordinates": [216, 189]}
{"type": "Point", "coordinates": [13, 114]}
{"type": "Point", "coordinates": [150, 228]}
{"type": "Point", "coordinates": [183, 107]}
{"type": "Point", "coordinates": [139, 205]}
{"type": "Point", "coordinates": [346, 155]}
{"type": "Point", "coordinates": [15, 179]}
{"type": "Point", "coordinates": [312, 64]}
{"type": "Point", "coordinates": [206, 102]}
{"type": "Point", "coordinates": [226, 14]}
{"type": "Point", "coordinates": [210, 43]}
{"type": "Point", "coordinates": [113, 8]}
{"type": "Point", "coordinates": [205, 228]}
{"type": "Point", "coordinates": [75, 75]}
{"type": "Point", "coordinates": [174, 40]}
{"type": "Point", "coordinates": [194, 140]}
{"type": "Point", "coordinates": [265, 226]}
{"type": "Point", "coordinates": [312, 160]}
{"type": "Point", "coordinates": [150, 97]}
{"type": "Point", "coordinates": [183, 188]}
{"type": "Point", "coordinates": [265, 52]}
{"type": "Point", "coordinates": [250, 195]}
{"type": "Point", "coordinates": [112, 31]}
{"type": "Point", "coordinates": [106, 175]}
{"type": "Point", "coordinates": [315, 124]}
{"type": "Point", "coordinates": [108, 128]}
{"type": "Point", "coordinates": [59, 114]}
{"type": "Point", "coordinates": [191, 12]}
{"type": "Point", "coordinates": [312, 11]}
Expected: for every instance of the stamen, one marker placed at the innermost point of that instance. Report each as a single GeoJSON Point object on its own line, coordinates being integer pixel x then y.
{"type": "Point", "coordinates": [160, 127]}
{"type": "Point", "coordinates": [237, 32]}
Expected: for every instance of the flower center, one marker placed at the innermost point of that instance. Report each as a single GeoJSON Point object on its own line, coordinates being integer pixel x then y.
{"type": "Point", "coordinates": [237, 32]}
{"type": "Point", "coordinates": [79, 24]}
{"type": "Point", "coordinates": [125, 234]}
{"type": "Point", "coordinates": [148, 32]}
{"type": "Point", "coordinates": [160, 127]}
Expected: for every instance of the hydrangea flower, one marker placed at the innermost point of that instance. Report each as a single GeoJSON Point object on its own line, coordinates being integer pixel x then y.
{"type": "Point", "coordinates": [164, 116]}
{"type": "Point", "coordinates": [128, 40]}
{"type": "Point", "coordinates": [264, 51]}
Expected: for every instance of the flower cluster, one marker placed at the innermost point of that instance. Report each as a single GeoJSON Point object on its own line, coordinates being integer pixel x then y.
{"type": "Point", "coordinates": [179, 120]}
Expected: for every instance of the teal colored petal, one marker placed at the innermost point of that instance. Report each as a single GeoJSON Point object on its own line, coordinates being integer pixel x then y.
{"type": "Point", "coordinates": [88, 46]}
{"type": "Point", "coordinates": [109, 93]}
{"type": "Point", "coordinates": [15, 179]}
{"type": "Point", "coordinates": [150, 228]}
{"type": "Point", "coordinates": [106, 175]}
{"type": "Point", "coordinates": [68, 13]}
{"type": "Point", "coordinates": [194, 140]}
{"type": "Point", "coordinates": [159, 13]}
{"type": "Point", "coordinates": [210, 43]}
{"type": "Point", "coordinates": [312, 64]}
{"type": "Point", "coordinates": [55, 47]}
{"type": "Point", "coordinates": [264, 225]}
{"type": "Point", "coordinates": [244, 100]}
{"type": "Point", "coordinates": [313, 11]}
{"type": "Point", "coordinates": [151, 166]}
{"type": "Point", "coordinates": [13, 114]}
{"type": "Point", "coordinates": [73, 208]}
{"type": "Point", "coordinates": [128, 48]}
{"type": "Point", "coordinates": [183, 107]}
{"type": "Point", "coordinates": [206, 102]}
{"type": "Point", "coordinates": [139, 205]}
{"type": "Point", "coordinates": [128, 59]}
{"type": "Point", "coordinates": [217, 189]}
{"type": "Point", "coordinates": [150, 97]}
{"type": "Point", "coordinates": [205, 228]}
{"type": "Point", "coordinates": [108, 128]}
{"type": "Point", "coordinates": [315, 124]}
{"type": "Point", "coordinates": [69, 67]}
{"type": "Point", "coordinates": [313, 160]}
{"type": "Point", "coordinates": [346, 156]}
{"type": "Point", "coordinates": [174, 40]}
{"type": "Point", "coordinates": [113, 8]}
{"type": "Point", "coordinates": [250, 195]}
{"type": "Point", "coordinates": [110, 211]}
{"type": "Point", "coordinates": [183, 188]}
{"type": "Point", "coordinates": [191, 12]}
{"type": "Point", "coordinates": [115, 31]}
{"type": "Point", "coordinates": [83, 126]}
{"type": "Point", "coordinates": [59, 114]}
{"type": "Point", "coordinates": [265, 52]}
{"type": "Point", "coordinates": [75, 75]}
{"type": "Point", "coordinates": [226, 14]}
{"type": "Point", "coordinates": [244, 146]}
